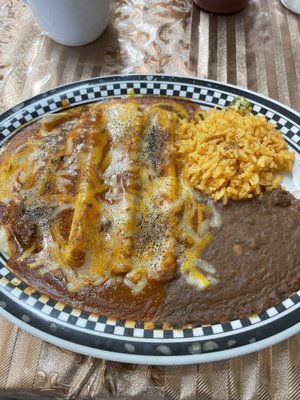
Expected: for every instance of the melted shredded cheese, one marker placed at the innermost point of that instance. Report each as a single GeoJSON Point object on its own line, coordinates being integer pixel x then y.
{"type": "Point", "coordinates": [105, 195]}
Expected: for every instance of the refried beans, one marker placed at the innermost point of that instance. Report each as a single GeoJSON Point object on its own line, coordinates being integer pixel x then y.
{"type": "Point", "coordinates": [256, 256]}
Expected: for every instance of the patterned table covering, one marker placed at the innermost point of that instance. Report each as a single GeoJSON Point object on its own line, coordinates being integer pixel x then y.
{"type": "Point", "coordinates": [259, 49]}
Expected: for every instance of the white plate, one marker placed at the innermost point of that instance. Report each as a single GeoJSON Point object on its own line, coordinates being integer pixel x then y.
{"type": "Point", "coordinates": [127, 341]}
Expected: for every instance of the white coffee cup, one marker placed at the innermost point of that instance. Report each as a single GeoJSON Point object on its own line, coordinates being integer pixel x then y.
{"type": "Point", "coordinates": [71, 22]}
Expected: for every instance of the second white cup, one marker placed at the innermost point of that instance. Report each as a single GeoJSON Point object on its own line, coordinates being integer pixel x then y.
{"type": "Point", "coordinates": [71, 22]}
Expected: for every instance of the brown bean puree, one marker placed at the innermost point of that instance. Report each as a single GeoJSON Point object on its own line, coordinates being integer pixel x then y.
{"type": "Point", "coordinates": [256, 255]}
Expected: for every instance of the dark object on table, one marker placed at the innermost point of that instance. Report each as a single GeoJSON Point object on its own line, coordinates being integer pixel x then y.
{"type": "Point", "coordinates": [222, 6]}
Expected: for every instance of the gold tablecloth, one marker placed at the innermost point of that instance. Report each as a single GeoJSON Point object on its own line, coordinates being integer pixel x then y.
{"type": "Point", "coordinates": [258, 48]}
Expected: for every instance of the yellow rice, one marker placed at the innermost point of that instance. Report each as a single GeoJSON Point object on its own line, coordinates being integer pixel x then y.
{"type": "Point", "coordinates": [232, 156]}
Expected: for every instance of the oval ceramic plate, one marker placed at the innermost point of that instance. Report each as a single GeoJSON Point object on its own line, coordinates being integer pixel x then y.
{"type": "Point", "coordinates": [128, 341]}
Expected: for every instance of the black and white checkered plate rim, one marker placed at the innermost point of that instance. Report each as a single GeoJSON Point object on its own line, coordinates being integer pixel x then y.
{"type": "Point", "coordinates": [65, 325]}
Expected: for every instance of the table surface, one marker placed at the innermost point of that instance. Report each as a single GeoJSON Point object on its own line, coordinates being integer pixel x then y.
{"type": "Point", "coordinates": [259, 49]}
